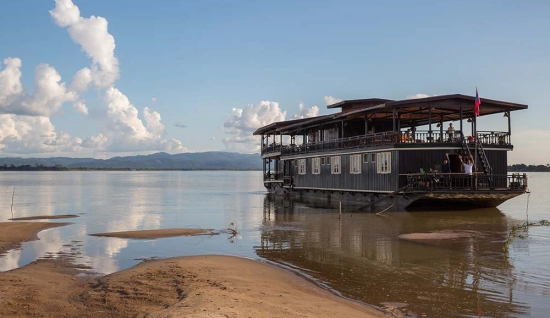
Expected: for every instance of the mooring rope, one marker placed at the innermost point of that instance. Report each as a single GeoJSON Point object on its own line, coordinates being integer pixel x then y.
{"type": "Point", "coordinates": [527, 208]}
{"type": "Point", "coordinates": [386, 208]}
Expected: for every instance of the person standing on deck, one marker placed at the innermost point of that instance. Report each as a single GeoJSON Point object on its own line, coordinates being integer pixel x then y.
{"type": "Point", "coordinates": [446, 167]}
{"type": "Point", "coordinates": [446, 170]}
{"type": "Point", "coordinates": [451, 132]}
{"type": "Point", "coordinates": [468, 165]}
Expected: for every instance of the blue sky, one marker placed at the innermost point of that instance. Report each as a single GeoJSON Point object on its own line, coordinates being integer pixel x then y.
{"type": "Point", "coordinates": [201, 75]}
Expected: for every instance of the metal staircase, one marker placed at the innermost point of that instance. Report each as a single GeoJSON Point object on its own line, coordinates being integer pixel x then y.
{"type": "Point", "coordinates": [484, 162]}
{"type": "Point", "coordinates": [464, 145]}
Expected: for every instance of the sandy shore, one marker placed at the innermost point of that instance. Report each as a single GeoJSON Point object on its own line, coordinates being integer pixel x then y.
{"type": "Point", "coordinates": [45, 217]}
{"type": "Point", "coordinates": [198, 286]}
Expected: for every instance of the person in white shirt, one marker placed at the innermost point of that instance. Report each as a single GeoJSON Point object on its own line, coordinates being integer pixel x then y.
{"type": "Point", "coordinates": [468, 165]}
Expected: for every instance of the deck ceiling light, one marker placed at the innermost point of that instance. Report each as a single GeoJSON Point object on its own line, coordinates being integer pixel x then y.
{"type": "Point", "coordinates": [506, 114]}
{"type": "Point", "coordinates": [469, 119]}
{"type": "Point", "coordinates": [438, 125]}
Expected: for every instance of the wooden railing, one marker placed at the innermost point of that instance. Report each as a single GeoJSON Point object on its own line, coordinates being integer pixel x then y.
{"type": "Point", "coordinates": [273, 176]}
{"type": "Point", "coordinates": [388, 138]}
{"type": "Point", "coordinates": [493, 137]}
{"type": "Point", "coordinates": [445, 182]}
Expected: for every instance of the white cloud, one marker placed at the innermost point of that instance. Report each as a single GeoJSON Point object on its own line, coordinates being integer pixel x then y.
{"type": "Point", "coordinates": [241, 123]}
{"type": "Point", "coordinates": [33, 135]}
{"type": "Point", "coordinates": [81, 80]}
{"type": "Point", "coordinates": [329, 100]}
{"type": "Point", "coordinates": [94, 38]}
{"type": "Point", "coordinates": [254, 116]}
{"type": "Point", "coordinates": [154, 99]}
{"type": "Point", "coordinates": [48, 96]}
{"type": "Point", "coordinates": [97, 142]}
{"type": "Point", "coordinates": [416, 96]}
{"type": "Point", "coordinates": [80, 107]}
{"type": "Point", "coordinates": [306, 112]}
{"type": "Point", "coordinates": [123, 130]}
{"type": "Point", "coordinates": [10, 81]}
{"type": "Point", "coordinates": [126, 132]}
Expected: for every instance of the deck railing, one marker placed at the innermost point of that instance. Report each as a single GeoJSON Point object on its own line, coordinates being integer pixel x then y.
{"type": "Point", "coordinates": [445, 182]}
{"type": "Point", "coordinates": [273, 176]}
{"type": "Point", "coordinates": [387, 138]}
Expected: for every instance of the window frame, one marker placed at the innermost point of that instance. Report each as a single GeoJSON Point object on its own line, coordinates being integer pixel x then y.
{"type": "Point", "coordinates": [316, 165]}
{"type": "Point", "coordinates": [335, 165]}
{"type": "Point", "coordinates": [383, 165]}
{"type": "Point", "coordinates": [302, 166]}
{"type": "Point", "coordinates": [355, 163]}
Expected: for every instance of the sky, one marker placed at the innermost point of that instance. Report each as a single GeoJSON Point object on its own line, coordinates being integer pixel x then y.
{"type": "Point", "coordinates": [109, 78]}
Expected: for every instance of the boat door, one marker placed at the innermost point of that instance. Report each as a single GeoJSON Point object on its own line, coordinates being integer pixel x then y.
{"type": "Point", "coordinates": [456, 165]}
{"type": "Point", "coordinates": [288, 175]}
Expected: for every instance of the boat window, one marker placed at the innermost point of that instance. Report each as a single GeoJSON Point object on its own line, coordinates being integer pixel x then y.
{"type": "Point", "coordinates": [335, 165]}
{"type": "Point", "coordinates": [301, 166]}
{"type": "Point", "coordinates": [315, 165]}
{"type": "Point", "coordinates": [365, 158]}
{"type": "Point", "coordinates": [384, 162]}
{"type": "Point", "coordinates": [355, 164]}
{"type": "Point", "coordinates": [373, 158]}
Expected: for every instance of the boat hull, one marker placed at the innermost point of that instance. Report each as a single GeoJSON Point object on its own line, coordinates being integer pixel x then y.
{"type": "Point", "coordinates": [403, 199]}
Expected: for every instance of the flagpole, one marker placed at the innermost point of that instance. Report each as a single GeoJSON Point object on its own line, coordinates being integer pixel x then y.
{"type": "Point", "coordinates": [476, 111]}
{"type": "Point", "coordinates": [475, 151]}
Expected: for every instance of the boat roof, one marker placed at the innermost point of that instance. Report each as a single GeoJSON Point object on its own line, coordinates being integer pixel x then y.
{"type": "Point", "coordinates": [421, 111]}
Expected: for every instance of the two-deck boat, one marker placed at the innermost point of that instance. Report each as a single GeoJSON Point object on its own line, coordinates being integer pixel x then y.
{"type": "Point", "coordinates": [382, 152]}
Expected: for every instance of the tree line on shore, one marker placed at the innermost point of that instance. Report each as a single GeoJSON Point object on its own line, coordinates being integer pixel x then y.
{"type": "Point", "coordinates": [528, 168]}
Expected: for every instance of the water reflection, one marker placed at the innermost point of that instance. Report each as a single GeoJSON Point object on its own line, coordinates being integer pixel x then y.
{"type": "Point", "coordinates": [361, 256]}
{"type": "Point", "coordinates": [125, 201]}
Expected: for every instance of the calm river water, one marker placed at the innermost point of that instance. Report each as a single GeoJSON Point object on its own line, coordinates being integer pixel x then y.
{"type": "Point", "coordinates": [358, 256]}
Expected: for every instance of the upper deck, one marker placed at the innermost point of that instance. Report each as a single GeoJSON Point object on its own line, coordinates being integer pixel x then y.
{"type": "Point", "coordinates": [419, 139]}
{"type": "Point", "coordinates": [373, 123]}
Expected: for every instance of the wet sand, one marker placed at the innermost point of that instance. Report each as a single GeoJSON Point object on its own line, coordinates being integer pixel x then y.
{"type": "Point", "coordinates": [12, 234]}
{"type": "Point", "coordinates": [197, 286]}
{"type": "Point", "coordinates": [45, 217]}
{"type": "Point", "coordinates": [439, 235]}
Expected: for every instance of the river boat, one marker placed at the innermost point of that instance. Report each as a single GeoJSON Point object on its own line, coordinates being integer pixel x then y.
{"type": "Point", "coordinates": [381, 152]}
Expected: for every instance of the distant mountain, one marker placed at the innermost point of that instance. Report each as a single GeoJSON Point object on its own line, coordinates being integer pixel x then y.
{"type": "Point", "coordinates": [215, 160]}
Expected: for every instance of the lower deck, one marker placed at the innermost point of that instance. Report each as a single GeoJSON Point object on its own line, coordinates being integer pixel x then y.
{"type": "Point", "coordinates": [421, 189]}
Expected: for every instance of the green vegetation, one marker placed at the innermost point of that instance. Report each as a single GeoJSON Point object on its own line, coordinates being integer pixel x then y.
{"type": "Point", "coordinates": [12, 167]}
{"type": "Point", "coordinates": [529, 168]}
{"type": "Point", "coordinates": [520, 231]}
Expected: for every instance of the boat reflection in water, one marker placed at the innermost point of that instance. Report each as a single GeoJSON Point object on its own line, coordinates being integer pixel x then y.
{"type": "Point", "coordinates": [361, 257]}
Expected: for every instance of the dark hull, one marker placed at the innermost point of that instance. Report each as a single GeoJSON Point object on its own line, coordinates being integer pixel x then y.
{"type": "Point", "coordinates": [411, 200]}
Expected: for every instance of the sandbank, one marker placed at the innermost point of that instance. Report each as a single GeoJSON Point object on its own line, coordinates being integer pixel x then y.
{"type": "Point", "coordinates": [13, 233]}
{"type": "Point", "coordinates": [439, 235]}
{"type": "Point", "coordinates": [152, 234]}
{"type": "Point", "coordinates": [196, 286]}
{"type": "Point", "coordinates": [44, 217]}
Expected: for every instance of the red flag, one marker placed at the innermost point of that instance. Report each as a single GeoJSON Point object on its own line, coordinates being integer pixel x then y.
{"type": "Point", "coordinates": [476, 104]}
